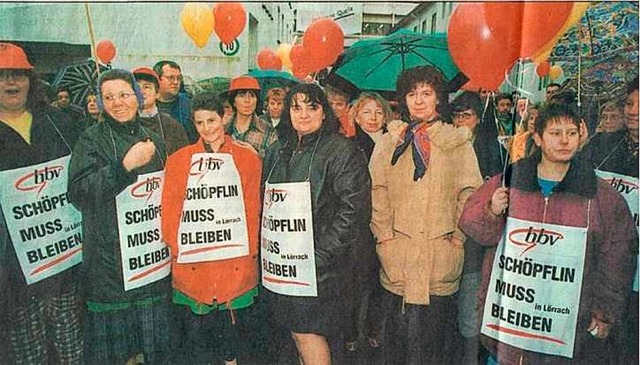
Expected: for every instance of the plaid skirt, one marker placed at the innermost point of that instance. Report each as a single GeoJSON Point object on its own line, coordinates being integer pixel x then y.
{"type": "Point", "coordinates": [49, 323]}
{"type": "Point", "coordinates": [114, 336]}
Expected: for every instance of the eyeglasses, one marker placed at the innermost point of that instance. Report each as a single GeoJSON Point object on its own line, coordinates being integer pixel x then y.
{"type": "Point", "coordinates": [122, 95]}
{"type": "Point", "coordinates": [463, 115]}
{"type": "Point", "coordinates": [174, 78]}
{"type": "Point", "coordinates": [7, 73]}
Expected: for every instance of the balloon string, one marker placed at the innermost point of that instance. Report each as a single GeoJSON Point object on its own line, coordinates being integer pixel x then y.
{"type": "Point", "coordinates": [91, 37]}
{"type": "Point", "coordinates": [522, 91]}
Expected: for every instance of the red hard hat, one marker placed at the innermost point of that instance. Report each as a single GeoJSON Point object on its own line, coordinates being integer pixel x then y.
{"type": "Point", "coordinates": [13, 57]}
{"type": "Point", "coordinates": [244, 83]}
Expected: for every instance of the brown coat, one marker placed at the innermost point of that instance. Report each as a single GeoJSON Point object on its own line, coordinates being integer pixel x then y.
{"type": "Point", "coordinates": [418, 219]}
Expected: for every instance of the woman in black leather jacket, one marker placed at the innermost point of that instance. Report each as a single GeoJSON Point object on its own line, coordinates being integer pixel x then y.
{"type": "Point", "coordinates": [339, 205]}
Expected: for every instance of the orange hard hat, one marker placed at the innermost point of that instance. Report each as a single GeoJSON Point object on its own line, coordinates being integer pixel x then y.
{"type": "Point", "coordinates": [244, 83]}
{"type": "Point", "coordinates": [12, 57]}
{"type": "Point", "coordinates": [146, 71]}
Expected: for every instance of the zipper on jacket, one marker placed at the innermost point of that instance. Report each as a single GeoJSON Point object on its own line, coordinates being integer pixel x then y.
{"type": "Point", "coordinates": [544, 212]}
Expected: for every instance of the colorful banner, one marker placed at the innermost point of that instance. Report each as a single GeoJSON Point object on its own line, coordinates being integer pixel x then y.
{"type": "Point", "coordinates": [45, 228]}
{"type": "Point", "coordinates": [145, 257]}
{"type": "Point", "coordinates": [213, 224]}
{"type": "Point", "coordinates": [628, 187]}
{"type": "Point", "coordinates": [534, 293]}
{"type": "Point", "coordinates": [287, 246]}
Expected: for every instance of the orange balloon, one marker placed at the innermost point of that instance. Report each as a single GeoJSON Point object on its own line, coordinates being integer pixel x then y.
{"type": "Point", "coordinates": [105, 51]}
{"type": "Point", "coordinates": [577, 11]}
{"type": "Point", "coordinates": [284, 52]}
{"type": "Point", "coordinates": [268, 60]}
{"type": "Point", "coordinates": [198, 22]}
{"type": "Point", "coordinates": [555, 72]}
{"type": "Point", "coordinates": [325, 39]}
{"type": "Point", "coordinates": [481, 54]}
{"type": "Point", "coordinates": [230, 20]}
{"type": "Point", "coordinates": [528, 26]}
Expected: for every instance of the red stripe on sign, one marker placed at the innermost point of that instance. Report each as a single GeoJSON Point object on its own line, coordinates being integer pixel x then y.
{"type": "Point", "coordinates": [55, 262]}
{"type": "Point", "coordinates": [199, 250]}
{"type": "Point", "coordinates": [280, 281]}
{"type": "Point", "coordinates": [149, 272]}
{"type": "Point", "coordinates": [524, 334]}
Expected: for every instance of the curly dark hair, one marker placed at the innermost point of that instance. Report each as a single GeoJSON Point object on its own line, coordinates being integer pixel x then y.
{"type": "Point", "coordinates": [312, 94]}
{"type": "Point", "coordinates": [409, 79]}
{"type": "Point", "coordinates": [207, 101]}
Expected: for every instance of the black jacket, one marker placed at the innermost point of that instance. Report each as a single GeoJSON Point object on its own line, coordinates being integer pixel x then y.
{"type": "Point", "coordinates": [96, 176]}
{"type": "Point", "coordinates": [46, 144]}
{"type": "Point", "coordinates": [611, 152]}
{"type": "Point", "coordinates": [340, 194]}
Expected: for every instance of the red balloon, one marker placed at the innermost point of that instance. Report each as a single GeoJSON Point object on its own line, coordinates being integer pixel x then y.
{"type": "Point", "coordinates": [527, 26]}
{"type": "Point", "coordinates": [300, 59]}
{"type": "Point", "coordinates": [268, 60]}
{"type": "Point", "coordinates": [480, 53]}
{"type": "Point", "coordinates": [325, 40]}
{"type": "Point", "coordinates": [105, 51]}
{"type": "Point", "coordinates": [230, 19]}
{"type": "Point", "coordinates": [543, 68]}
{"type": "Point", "coordinates": [473, 85]}
{"type": "Point", "coordinates": [299, 71]}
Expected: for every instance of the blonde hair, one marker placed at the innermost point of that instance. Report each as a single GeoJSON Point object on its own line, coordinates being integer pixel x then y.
{"type": "Point", "coordinates": [364, 97]}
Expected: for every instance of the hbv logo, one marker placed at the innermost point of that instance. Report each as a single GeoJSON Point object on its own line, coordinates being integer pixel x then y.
{"type": "Point", "coordinates": [146, 188]}
{"type": "Point", "coordinates": [274, 196]}
{"type": "Point", "coordinates": [37, 180]}
{"type": "Point", "coordinates": [532, 237]}
{"type": "Point", "coordinates": [203, 165]}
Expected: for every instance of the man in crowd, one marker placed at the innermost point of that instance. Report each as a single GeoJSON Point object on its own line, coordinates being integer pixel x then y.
{"type": "Point", "coordinates": [168, 128]}
{"type": "Point", "coordinates": [339, 102]}
{"type": "Point", "coordinates": [170, 99]}
{"type": "Point", "coordinates": [63, 102]}
{"type": "Point", "coordinates": [551, 89]}
{"type": "Point", "coordinates": [504, 118]}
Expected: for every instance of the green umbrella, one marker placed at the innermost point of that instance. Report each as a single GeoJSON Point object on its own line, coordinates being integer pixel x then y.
{"type": "Point", "coordinates": [269, 79]}
{"type": "Point", "coordinates": [374, 64]}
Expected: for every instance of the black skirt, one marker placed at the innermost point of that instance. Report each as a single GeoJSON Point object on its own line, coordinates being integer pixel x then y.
{"type": "Point", "coordinates": [323, 315]}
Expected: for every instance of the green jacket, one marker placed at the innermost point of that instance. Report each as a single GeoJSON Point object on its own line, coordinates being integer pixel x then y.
{"type": "Point", "coordinates": [96, 176]}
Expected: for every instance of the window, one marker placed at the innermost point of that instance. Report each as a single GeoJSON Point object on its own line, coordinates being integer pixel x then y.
{"type": "Point", "coordinates": [424, 26]}
{"type": "Point", "coordinates": [434, 18]}
{"type": "Point", "coordinates": [415, 29]}
{"type": "Point", "coordinates": [375, 28]}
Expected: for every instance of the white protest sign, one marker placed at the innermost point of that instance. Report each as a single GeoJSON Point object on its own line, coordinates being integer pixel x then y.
{"type": "Point", "coordinates": [46, 230]}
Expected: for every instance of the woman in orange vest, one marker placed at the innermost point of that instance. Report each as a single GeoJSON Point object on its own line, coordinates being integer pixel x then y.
{"type": "Point", "coordinates": [210, 208]}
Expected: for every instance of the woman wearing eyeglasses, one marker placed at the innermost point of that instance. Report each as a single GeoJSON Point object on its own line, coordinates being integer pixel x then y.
{"type": "Point", "coordinates": [116, 177]}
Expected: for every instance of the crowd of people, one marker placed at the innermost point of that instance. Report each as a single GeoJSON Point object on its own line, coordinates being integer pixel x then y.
{"type": "Point", "coordinates": [156, 227]}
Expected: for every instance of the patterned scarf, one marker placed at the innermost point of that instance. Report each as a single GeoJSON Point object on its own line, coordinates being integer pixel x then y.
{"type": "Point", "coordinates": [415, 135]}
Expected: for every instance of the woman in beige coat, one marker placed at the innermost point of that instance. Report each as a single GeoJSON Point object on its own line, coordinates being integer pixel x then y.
{"type": "Point", "coordinates": [422, 171]}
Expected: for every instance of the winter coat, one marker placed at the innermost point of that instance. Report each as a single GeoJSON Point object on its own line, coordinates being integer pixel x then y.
{"type": "Point", "coordinates": [340, 194]}
{"type": "Point", "coordinates": [219, 281]}
{"type": "Point", "coordinates": [418, 219]}
{"type": "Point", "coordinates": [170, 130]}
{"type": "Point", "coordinates": [610, 249]}
{"type": "Point", "coordinates": [96, 177]}
{"type": "Point", "coordinates": [180, 110]}
{"type": "Point", "coordinates": [46, 145]}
